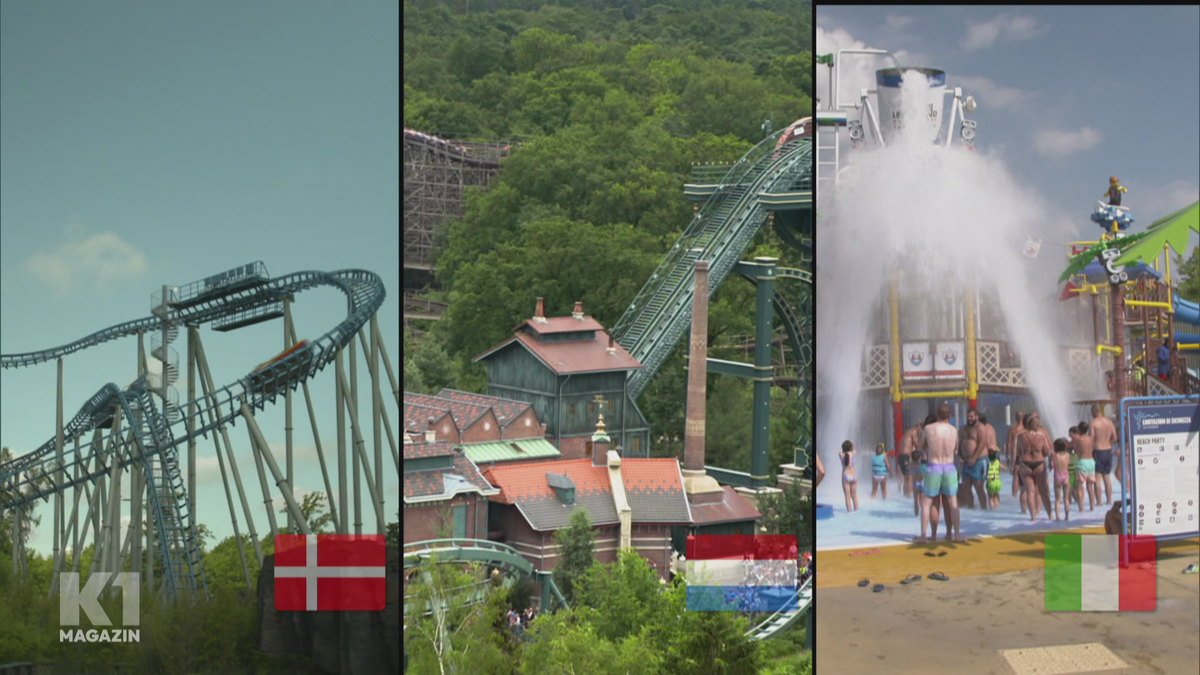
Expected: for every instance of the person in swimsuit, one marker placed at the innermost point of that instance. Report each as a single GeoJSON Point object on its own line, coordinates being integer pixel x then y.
{"type": "Point", "coordinates": [879, 471]}
{"type": "Point", "coordinates": [908, 443]}
{"type": "Point", "coordinates": [1104, 435]}
{"type": "Point", "coordinates": [819, 469]}
{"type": "Point", "coordinates": [1087, 466]}
{"type": "Point", "coordinates": [849, 478]}
{"type": "Point", "coordinates": [1032, 448]}
{"type": "Point", "coordinates": [915, 478]}
{"type": "Point", "coordinates": [1010, 453]}
{"type": "Point", "coordinates": [993, 478]}
{"type": "Point", "coordinates": [1062, 489]}
{"type": "Point", "coordinates": [941, 478]}
{"type": "Point", "coordinates": [971, 440]}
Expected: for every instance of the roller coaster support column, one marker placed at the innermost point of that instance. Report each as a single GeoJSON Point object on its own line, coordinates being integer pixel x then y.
{"type": "Point", "coordinates": [312, 419]}
{"type": "Point", "coordinates": [1118, 314]}
{"type": "Point", "coordinates": [207, 386]}
{"type": "Point", "coordinates": [376, 411]}
{"type": "Point", "coordinates": [972, 379]}
{"type": "Point", "coordinates": [343, 492]}
{"type": "Point", "coordinates": [287, 403]}
{"type": "Point", "coordinates": [285, 488]}
{"type": "Point", "coordinates": [59, 525]}
{"type": "Point", "coordinates": [193, 334]}
{"type": "Point", "coordinates": [355, 437]}
{"type": "Point", "coordinates": [361, 456]}
{"type": "Point", "coordinates": [764, 315]}
{"type": "Point", "coordinates": [894, 348]}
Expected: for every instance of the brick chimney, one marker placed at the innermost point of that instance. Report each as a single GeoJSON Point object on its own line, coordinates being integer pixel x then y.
{"type": "Point", "coordinates": [430, 431]}
{"type": "Point", "coordinates": [612, 346]}
{"type": "Point", "coordinates": [600, 444]}
{"type": "Point", "coordinates": [699, 486]}
{"type": "Point", "coordinates": [539, 314]}
{"type": "Point", "coordinates": [578, 313]}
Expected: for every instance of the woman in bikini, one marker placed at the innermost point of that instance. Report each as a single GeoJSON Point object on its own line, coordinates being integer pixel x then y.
{"type": "Point", "coordinates": [849, 477]}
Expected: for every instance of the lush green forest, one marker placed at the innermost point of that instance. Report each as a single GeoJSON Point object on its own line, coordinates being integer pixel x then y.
{"type": "Point", "coordinates": [612, 102]}
{"type": "Point", "coordinates": [622, 618]}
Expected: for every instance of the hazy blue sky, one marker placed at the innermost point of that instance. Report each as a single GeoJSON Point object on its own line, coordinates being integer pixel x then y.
{"type": "Point", "coordinates": [1067, 95]}
{"type": "Point", "coordinates": [149, 143]}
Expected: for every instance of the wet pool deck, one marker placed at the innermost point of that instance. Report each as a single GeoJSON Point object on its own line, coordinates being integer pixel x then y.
{"type": "Point", "coordinates": [992, 601]}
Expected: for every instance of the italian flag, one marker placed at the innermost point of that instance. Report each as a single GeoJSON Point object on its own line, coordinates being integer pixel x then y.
{"type": "Point", "coordinates": [1084, 574]}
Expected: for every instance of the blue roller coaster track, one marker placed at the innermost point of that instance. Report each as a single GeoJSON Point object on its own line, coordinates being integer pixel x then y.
{"type": "Point", "coordinates": [154, 435]}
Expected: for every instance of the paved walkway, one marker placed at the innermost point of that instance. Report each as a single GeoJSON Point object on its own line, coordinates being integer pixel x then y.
{"type": "Point", "coordinates": [993, 601]}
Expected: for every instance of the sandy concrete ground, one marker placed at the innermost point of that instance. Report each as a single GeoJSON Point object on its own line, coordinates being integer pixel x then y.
{"type": "Point", "coordinates": [960, 625]}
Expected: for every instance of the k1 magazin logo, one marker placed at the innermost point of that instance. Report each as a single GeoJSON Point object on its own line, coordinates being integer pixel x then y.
{"type": "Point", "coordinates": [72, 599]}
{"type": "Point", "coordinates": [330, 572]}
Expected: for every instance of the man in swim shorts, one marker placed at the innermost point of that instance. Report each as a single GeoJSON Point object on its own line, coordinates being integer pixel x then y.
{"type": "Point", "coordinates": [972, 448]}
{"type": "Point", "coordinates": [1103, 435]}
{"type": "Point", "coordinates": [941, 478]}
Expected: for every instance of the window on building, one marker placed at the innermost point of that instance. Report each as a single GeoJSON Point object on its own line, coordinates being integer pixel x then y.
{"type": "Point", "coordinates": [460, 521]}
{"type": "Point", "coordinates": [591, 408]}
{"type": "Point", "coordinates": [570, 410]}
{"type": "Point", "coordinates": [635, 445]}
{"type": "Point", "coordinates": [587, 452]}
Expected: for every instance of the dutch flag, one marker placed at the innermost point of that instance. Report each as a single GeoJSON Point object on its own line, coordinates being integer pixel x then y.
{"type": "Point", "coordinates": [742, 573]}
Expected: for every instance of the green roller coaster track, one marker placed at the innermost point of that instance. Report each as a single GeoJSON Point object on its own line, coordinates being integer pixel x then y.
{"type": "Point", "coordinates": [506, 559]}
{"type": "Point", "coordinates": [720, 233]}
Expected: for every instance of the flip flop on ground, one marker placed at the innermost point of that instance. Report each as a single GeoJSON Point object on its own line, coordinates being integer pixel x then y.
{"type": "Point", "coordinates": [863, 582]}
{"type": "Point", "coordinates": [939, 576]}
{"type": "Point", "coordinates": [1191, 569]}
{"type": "Point", "coordinates": [911, 579]}
{"type": "Point", "coordinates": [878, 588]}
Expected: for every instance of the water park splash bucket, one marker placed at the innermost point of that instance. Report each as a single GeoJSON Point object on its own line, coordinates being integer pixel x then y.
{"type": "Point", "coordinates": [891, 116]}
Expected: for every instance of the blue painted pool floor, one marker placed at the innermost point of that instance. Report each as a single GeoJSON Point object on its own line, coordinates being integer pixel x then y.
{"type": "Point", "coordinates": [891, 522]}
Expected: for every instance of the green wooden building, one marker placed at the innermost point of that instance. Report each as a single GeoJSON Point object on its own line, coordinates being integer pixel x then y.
{"type": "Point", "coordinates": [570, 371]}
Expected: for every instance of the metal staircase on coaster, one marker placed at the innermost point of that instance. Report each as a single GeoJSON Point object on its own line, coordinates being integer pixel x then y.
{"type": "Point", "coordinates": [245, 295]}
{"type": "Point", "coordinates": [719, 234]}
{"type": "Point", "coordinates": [509, 560]}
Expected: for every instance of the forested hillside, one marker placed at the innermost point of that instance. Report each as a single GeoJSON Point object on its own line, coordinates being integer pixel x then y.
{"type": "Point", "coordinates": [612, 102]}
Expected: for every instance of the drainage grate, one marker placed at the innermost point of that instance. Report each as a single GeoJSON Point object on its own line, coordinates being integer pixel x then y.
{"type": "Point", "coordinates": [1062, 659]}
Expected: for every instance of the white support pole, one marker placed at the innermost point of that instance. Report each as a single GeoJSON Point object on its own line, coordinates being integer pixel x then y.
{"type": "Point", "coordinates": [355, 436]}
{"type": "Point", "coordinates": [284, 487]}
{"type": "Point", "coordinates": [359, 450]}
{"type": "Point", "coordinates": [312, 418]}
{"type": "Point", "coordinates": [343, 495]}
{"type": "Point", "coordinates": [59, 512]}
{"type": "Point", "coordinates": [376, 421]}
{"type": "Point", "coordinates": [287, 404]}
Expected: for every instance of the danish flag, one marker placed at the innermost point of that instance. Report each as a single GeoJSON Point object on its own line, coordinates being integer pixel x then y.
{"type": "Point", "coordinates": [330, 572]}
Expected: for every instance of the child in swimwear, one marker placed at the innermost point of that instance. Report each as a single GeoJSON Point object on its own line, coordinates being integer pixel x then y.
{"type": "Point", "coordinates": [849, 477]}
{"type": "Point", "coordinates": [993, 478]}
{"type": "Point", "coordinates": [1073, 468]}
{"type": "Point", "coordinates": [1062, 460]}
{"type": "Point", "coordinates": [880, 468]}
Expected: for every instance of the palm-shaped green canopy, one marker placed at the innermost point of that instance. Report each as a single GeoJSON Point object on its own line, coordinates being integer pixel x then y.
{"type": "Point", "coordinates": [1078, 262]}
{"type": "Point", "coordinates": [1172, 230]}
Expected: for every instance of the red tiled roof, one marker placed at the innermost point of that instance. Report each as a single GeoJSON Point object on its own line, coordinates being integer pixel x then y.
{"type": "Point", "coordinates": [464, 414]}
{"type": "Point", "coordinates": [432, 482]}
{"type": "Point", "coordinates": [423, 450]}
{"type": "Point", "coordinates": [732, 507]}
{"type": "Point", "coordinates": [417, 412]}
{"type": "Point", "coordinates": [573, 356]}
{"type": "Point", "coordinates": [528, 481]}
{"type": "Point", "coordinates": [560, 324]}
{"type": "Point", "coordinates": [506, 410]}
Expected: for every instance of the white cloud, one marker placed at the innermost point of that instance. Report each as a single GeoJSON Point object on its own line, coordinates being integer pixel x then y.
{"type": "Point", "coordinates": [1059, 144]}
{"type": "Point", "coordinates": [96, 261]}
{"type": "Point", "coordinates": [993, 95]}
{"type": "Point", "coordinates": [1156, 201]}
{"type": "Point", "coordinates": [1004, 26]}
